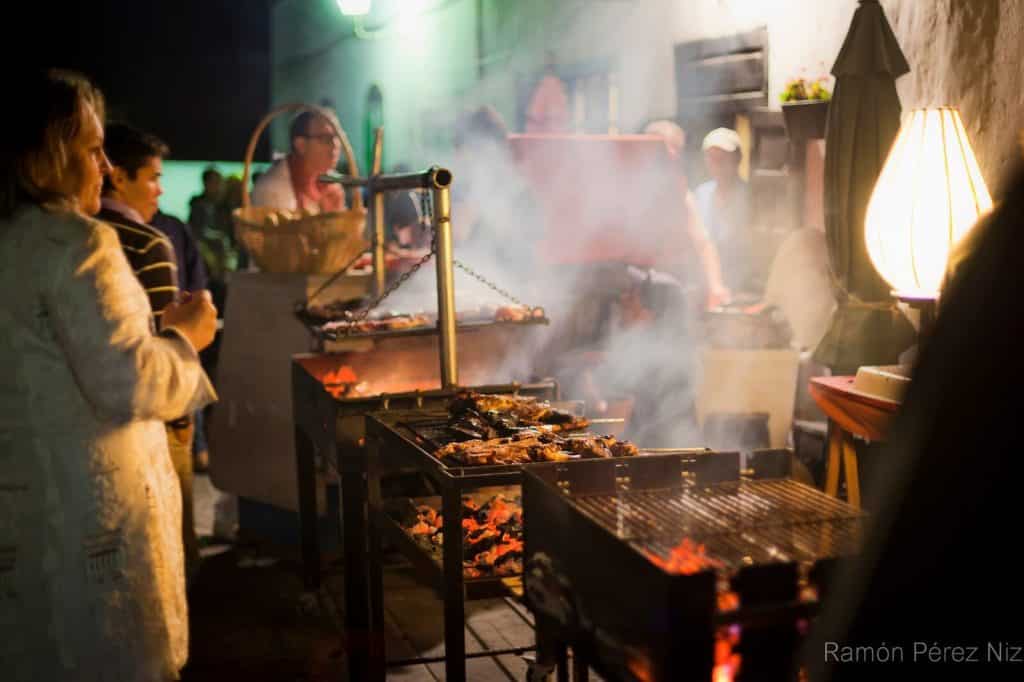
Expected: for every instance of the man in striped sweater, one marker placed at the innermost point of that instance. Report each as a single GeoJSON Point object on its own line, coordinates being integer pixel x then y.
{"type": "Point", "coordinates": [130, 195]}
{"type": "Point", "coordinates": [129, 202]}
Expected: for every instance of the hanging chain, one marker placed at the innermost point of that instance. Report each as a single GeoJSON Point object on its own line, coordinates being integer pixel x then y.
{"type": "Point", "coordinates": [365, 312]}
{"type": "Point", "coordinates": [426, 215]}
{"type": "Point", "coordinates": [333, 278]}
{"type": "Point", "coordinates": [361, 316]}
{"type": "Point", "coordinates": [488, 283]}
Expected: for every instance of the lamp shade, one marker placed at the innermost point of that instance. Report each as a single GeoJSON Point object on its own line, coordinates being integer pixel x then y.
{"type": "Point", "coordinates": [929, 194]}
{"type": "Point", "coordinates": [354, 8]}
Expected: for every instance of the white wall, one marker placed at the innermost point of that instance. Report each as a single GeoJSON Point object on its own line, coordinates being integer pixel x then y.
{"type": "Point", "coordinates": [965, 53]}
{"type": "Point", "coordinates": [804, 36]}
{"type": "Point", "coordinates": [804, 39]}
{"type": "Point", "coordinates": [962, 52]}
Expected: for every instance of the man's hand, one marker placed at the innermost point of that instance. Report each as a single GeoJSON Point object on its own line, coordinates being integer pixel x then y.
{"type": "Point", "coordinates": [194, 316]}
{"type": "Point", "coordinates": [718, 296]}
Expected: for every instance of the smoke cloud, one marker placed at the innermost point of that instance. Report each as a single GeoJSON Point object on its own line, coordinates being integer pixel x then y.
{"type": "Point", "coordinates": [595, 231]}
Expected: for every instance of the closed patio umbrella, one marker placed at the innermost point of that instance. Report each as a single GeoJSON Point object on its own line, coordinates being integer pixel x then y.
{"type": "Point", "coordinates": [863, 119]}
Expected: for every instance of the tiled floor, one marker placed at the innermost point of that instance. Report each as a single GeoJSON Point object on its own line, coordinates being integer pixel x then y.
{"type": "Point", "coordinates": [251, 620]}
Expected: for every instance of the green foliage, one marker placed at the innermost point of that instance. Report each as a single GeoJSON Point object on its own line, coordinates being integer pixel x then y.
{"type": "Point", "coordinates": [802, 90]}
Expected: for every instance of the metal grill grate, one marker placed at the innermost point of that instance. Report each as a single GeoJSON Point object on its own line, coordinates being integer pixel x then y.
{"type": "Point", "coordinates": [739, 523]}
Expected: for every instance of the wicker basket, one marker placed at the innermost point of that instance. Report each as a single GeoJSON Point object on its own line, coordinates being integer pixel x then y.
{"type": "Point", "coordinates": [294, 241]}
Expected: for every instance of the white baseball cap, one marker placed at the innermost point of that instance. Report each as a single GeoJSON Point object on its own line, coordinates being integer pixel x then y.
{"type": "Point", "coordinates": [723, 138]}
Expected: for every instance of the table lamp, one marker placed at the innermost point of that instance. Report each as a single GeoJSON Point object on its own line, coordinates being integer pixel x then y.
{"type": "Point", "coordinates": [928, 196]}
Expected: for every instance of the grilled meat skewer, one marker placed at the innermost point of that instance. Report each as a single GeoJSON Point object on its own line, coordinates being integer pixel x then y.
{"type": "Point", "coordinates": [601, 447]}
{"type": "Point", "coordinates": [533, 447]}
{"type": "Point", "coordinates": [508, 411]}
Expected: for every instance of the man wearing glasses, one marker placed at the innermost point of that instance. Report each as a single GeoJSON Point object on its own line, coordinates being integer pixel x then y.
{"type": "Point", "coordinates": [291, 183]}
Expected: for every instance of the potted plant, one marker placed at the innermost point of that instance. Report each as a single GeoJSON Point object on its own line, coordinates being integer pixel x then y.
{"type": "Point", "coordinates": [805, 107]}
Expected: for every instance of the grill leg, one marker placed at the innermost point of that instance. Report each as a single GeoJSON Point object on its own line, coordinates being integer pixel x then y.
{"type": "Point", "coordinates": [768, 654]}
{"type": "Point", "coordinates": [357, 626]}
{"type": "Point", "coordinates": [580, 668]}
{"type": "Point", "coordinates": [454, 597]}
{"type": "Point", "coordinates": [562, 657]}
{"type": "Point", "coordinates": [306, 474]}
{"type": "Point", "coordinates": [378, 655]}
{"type": "Point", "coordinates": [551, 653]}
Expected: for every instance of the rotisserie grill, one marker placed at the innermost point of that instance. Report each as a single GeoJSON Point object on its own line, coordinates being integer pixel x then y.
{"type": "Point", "coordinates": [337, 320]}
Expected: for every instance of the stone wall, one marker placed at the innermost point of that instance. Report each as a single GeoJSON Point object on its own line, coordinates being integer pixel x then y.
{"type": "Point", "coordinates": [969, 54]}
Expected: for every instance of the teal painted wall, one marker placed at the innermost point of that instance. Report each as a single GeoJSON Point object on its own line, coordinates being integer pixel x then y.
{"type": "Point", "coordinates": [427, 65]}
{"type": "Point", "coordinates": [420, 64]}
{"type": "Point", "coordinates": [183, 179]}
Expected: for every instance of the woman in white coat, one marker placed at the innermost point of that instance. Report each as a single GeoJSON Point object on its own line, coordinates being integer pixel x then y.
{"type": "Point", "coordinates": [91, 564]}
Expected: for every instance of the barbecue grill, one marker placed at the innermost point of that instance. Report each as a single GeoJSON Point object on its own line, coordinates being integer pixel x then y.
{"type": "Point", "coordinates": [323, 331]}
{"type": "Point", "coordinates": [330, 433]}
{"type": "Point", "coordinates": [399, 439]}
{"type": "Point", "coordinates": [329, 408]}
{"type": "Point", "coordinates": [592, 529]}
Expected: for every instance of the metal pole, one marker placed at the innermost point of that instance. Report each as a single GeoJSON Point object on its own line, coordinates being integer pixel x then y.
{"type": "Point", "coordinates": [445, 278]}
{"type": "Point", "coordinates": [438, 181]}
{"type": "Point", "coordinates": [427, 179]}
{"type": "Point", "coordinates": [345, 181]}
{"type": "Point", "coordinates": [377, 207]}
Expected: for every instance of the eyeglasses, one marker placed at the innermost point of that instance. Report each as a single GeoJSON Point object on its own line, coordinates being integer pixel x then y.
{"type": "Point", "coordinates": [326, 138]}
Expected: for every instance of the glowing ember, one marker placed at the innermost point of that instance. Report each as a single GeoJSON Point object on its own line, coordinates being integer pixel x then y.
{"type": "Point", "coordinates": [342, 375]}
{"type": "Point", "coordinates": [340, 381]}
{"type": "Point", "coordinates": [492, 535]}
{"type": "Point", "coordinates": [728, 601]}
{"type": "Point", "coordinates": [727, 663]}
{"type": "Point", "coordinates": [639, 668]}
{"type": "Point", "coordinates": [686, 558]}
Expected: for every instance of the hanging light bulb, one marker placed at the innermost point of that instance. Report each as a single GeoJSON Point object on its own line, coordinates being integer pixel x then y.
{"type": "Point", "coordinates": [929, 194]}
{"type": "Point", "coordinates": [354, 8]}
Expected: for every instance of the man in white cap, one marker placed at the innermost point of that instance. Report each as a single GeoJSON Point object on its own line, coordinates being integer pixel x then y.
{"type": "Point", "coordinates": [675, 140]}
{"type": "Point", "coordinates": [724, 204]}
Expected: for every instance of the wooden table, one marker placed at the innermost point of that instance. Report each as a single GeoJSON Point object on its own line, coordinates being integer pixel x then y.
{"type": "Point", "coordinates": [850, 413]}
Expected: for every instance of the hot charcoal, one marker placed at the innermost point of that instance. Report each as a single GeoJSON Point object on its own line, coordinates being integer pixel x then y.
{"type": "Point", "coordinates": [492, 534]}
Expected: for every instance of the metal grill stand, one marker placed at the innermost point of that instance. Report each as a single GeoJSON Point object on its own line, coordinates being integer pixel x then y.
{"type": "Point", "coordinates": [329, 434]}
{"type": "Point", "coordinates": [391, 447]}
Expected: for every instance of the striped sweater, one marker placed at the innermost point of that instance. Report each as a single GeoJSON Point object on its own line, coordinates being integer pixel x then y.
{"type": "Point", "coordinates": [151, 256]}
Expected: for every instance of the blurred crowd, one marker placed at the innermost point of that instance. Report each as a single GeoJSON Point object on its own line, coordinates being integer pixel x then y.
{"type": "Point", "coordinates": [210, 221]}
